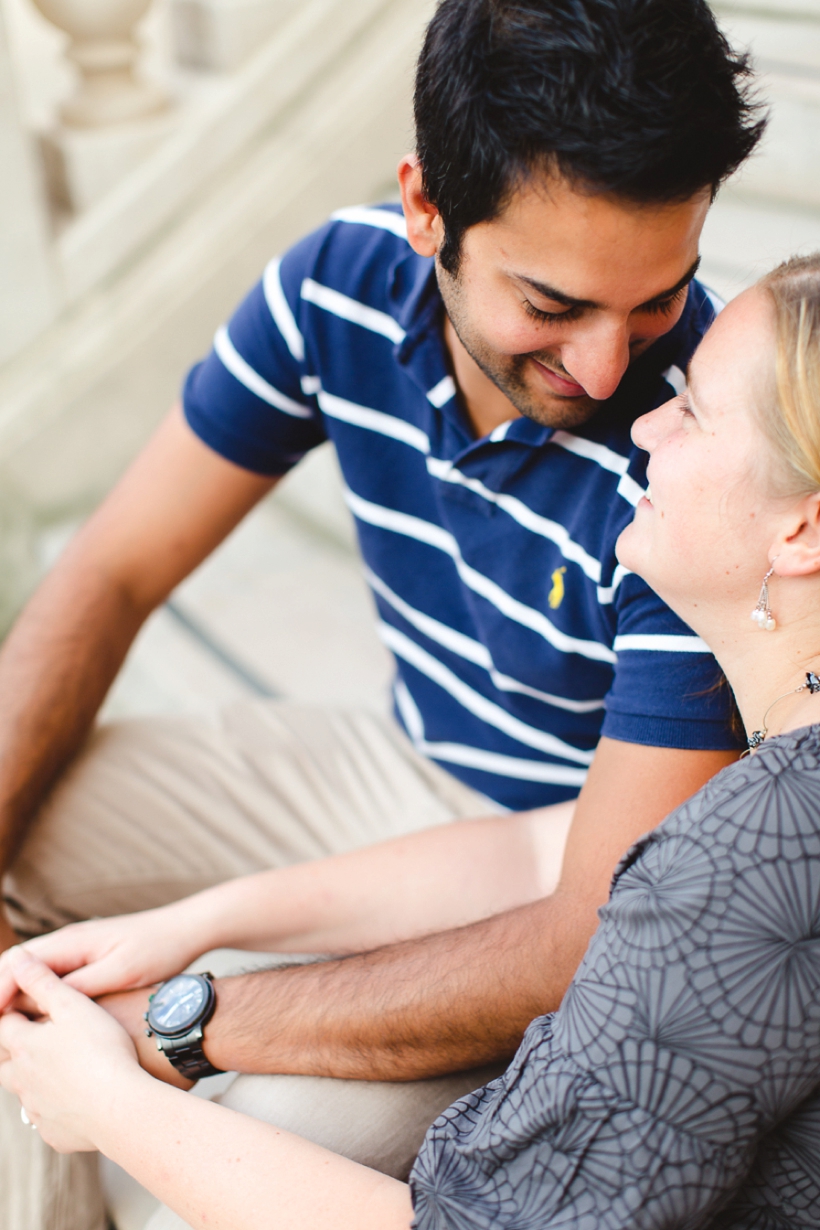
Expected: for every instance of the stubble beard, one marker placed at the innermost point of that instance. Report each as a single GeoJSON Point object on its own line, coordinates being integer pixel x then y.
{"type": "Point", "coordinates": [509, 372]}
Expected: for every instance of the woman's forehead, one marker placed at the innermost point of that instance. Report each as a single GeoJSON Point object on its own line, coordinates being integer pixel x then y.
{"type": "Point", "coordinates": [736, 359]}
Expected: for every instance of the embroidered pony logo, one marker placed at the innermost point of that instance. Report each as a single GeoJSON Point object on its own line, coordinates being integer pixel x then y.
{"type": "Point", "coordinates": [557, 592]}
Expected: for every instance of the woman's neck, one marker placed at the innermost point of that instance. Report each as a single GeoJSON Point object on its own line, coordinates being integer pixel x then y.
{"type": "Point", "coordinates": [763, 666]}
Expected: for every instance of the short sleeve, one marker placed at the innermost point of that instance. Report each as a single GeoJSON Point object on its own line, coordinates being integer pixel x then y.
{"type": "Point", "coordinates": [246, 400]}
{"type": "Point", "coordinates": [668, 690]}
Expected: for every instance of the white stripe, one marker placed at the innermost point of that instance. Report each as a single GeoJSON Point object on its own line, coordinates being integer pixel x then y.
{"type": "Point", "coordinates": [630, 490]}
{"type": "Point", "coordinates": [500, 432]}
{"type": "Point", "coordinates": [280, 310]}
{"type": "Point", "coordinates": [350, 309]}
{"type": "Point", "coordinates": [505, 684]}
{"type": "Point", "coordinates": [244, 373]}
{"type": "Point", "coordinates": [409, 710]}
{"type": "Point", "coordinates": [503, 766]}
{"type": "Point", "coordinates": [434, 536]}
{"type": "Point", "coordinates": [674, 376]}
{"type": "Point", "coordinates": [472, 650]}
{"type": "Point", "coordinates": [442, 392]}
{"type": "Point", "coordinates": [381, 218]}
{"type": "Point", "coordinates": [661, 644]}
{"type": "Point", "coordinates": [522, 514]}
{"type": "Point", "coordinates": [479, 758]}
{"type": "Point", "coordinates": [604, 457]}
{"type": "Point", "coordinates": [482, 708]}
{"type": "Point", "coordinates": [607, 594]}
{"type": "Point", "coordinates": [401, 523]}
{"type": "Point", "coordinates": [310, 385]}
{"type": "Point", "coordinates": [599, 453]}
{"type": "Point", "coordinates": [373, 420]}
{"type": "Point", "coordinates": [442, 634]}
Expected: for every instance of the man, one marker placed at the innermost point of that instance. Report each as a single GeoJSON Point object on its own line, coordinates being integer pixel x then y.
{"type": "Point", "coordinates": [477, 363]}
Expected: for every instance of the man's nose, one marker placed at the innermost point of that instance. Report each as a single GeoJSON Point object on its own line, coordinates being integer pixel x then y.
{"type": "Point", "coordinates": [598, 358]}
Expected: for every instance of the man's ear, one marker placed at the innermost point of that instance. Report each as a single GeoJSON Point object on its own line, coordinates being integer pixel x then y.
{"type": "Point", "coordinates": [425, 229]}
{"type": "Point", "coordinates": [797, 548]}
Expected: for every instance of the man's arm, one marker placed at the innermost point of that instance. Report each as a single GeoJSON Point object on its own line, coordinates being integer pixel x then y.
{"type": "Point", "coordinates": [174, 505]}
{"type": "Point", "coordinates": [454, 1000]}
{"type": "Point", "coordinates": [414, 885]}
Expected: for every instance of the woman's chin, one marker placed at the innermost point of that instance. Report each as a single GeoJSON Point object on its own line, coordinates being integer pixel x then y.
{"type": "Point", "coordinates": [628, 548]}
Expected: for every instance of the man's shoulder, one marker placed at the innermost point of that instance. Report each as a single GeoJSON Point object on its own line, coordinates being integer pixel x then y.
{"type": "Point", "coordinates": [358, 252]}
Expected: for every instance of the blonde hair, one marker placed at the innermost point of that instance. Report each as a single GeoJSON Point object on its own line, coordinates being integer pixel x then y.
{"type": "Point", "coordinates": [794, 426]}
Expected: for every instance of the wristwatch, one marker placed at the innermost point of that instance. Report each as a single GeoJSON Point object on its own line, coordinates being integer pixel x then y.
{"type": "Point", "coordinates": [177, 1015]}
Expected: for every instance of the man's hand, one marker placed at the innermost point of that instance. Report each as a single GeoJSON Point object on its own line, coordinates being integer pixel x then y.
{"type": "Point", "coordinates": [128, 1009]}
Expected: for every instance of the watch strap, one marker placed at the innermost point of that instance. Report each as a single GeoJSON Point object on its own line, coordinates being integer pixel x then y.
{"type": "Point", "coordinates": [187, 1055]}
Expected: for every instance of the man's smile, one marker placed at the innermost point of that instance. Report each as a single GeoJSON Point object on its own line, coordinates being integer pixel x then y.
{"type": "Point", "coordinates": [559, 384]}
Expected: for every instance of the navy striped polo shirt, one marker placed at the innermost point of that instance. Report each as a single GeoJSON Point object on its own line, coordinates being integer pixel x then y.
{"type": "Point", "coordinates": [518, 638]}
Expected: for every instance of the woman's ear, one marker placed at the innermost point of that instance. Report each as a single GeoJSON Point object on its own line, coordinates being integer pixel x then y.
{"type": "Point", "coordinates": [425, 229]}
{"type": "Point", "coordinates": [797, 548]}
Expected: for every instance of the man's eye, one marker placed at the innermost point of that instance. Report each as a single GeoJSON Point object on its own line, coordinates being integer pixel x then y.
{"type": "Point", "coordinates": [665, 306]}
{"type": "Point", "coordinates": [546, 317]}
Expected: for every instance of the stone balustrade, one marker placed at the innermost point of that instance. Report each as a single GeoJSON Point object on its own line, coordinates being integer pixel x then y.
{"type": "Point", "coordinates": [221, 34]}
{"type": "Point", "coordinates": [303, 108]}
{"type": "Point", "coordinates": [105, 50]}
{"type": "Point", "coordinates": [130, 144]}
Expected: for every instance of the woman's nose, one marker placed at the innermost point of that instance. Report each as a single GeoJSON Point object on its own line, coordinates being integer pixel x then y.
{"type": "Point", "coordinates": [648, 430]}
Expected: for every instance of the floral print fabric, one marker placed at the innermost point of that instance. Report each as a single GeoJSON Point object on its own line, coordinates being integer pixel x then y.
{"type": "Point", "coordinates": [678, 1085]}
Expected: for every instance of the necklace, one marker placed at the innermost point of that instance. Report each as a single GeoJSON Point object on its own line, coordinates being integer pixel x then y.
{"type": "Point", "coordinates": [755, 739]}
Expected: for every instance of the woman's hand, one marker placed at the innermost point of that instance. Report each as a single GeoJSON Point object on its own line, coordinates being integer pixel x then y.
{"type": "Point", "coordinates": [115, 954]}
{"type": "Point", "coordinates": [70, 1068]}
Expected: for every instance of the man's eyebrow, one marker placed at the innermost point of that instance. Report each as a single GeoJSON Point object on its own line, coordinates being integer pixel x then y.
{"type": "Point", "coordinates": [676, 289]}
{"type": "Point", "coordinates": [558, 296]}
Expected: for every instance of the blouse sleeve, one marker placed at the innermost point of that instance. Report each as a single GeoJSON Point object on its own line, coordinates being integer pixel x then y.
{"type": "Point", "coordinates": [689, 1031]}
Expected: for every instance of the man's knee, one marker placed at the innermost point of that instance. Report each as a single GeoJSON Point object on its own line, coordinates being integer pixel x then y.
{"type": "Point", "coordinates": [376, 1123]}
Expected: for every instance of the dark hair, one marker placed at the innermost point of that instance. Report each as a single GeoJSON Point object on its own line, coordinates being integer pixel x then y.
{"type": "Point", "coordinates": [644, 99]}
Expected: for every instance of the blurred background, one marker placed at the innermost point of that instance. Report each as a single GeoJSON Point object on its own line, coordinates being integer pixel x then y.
{"type": "Point", "coordinates": [155, 154]}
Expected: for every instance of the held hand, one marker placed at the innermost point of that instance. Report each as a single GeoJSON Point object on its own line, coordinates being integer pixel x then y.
{"type": "Point", "coordinates": [70, 1068]}
{"type": "Point", "coordinates": [117, 954]}
{"type": "Point", "coordinates": [128, 1008]}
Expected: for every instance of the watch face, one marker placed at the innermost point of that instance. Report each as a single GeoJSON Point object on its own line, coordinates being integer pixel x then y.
{"type": "Point", "coordinates": [177, 1006]}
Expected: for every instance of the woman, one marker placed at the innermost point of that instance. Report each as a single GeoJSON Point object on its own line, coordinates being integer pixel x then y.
{"type": "Point", "coordinates": [679, 1082]}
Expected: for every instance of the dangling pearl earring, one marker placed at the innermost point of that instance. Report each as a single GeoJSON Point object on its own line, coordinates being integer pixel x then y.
{"type": "Point", "coordinates": [762, 614]}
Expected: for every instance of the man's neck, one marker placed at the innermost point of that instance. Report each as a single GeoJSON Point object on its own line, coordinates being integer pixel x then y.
{"type": "Point", "coordinates": [486, 406]}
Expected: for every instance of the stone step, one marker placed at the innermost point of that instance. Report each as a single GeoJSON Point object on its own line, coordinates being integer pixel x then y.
{"type": "Point", "coordinates": [745, 236]}
{"type": "Point", "coordinates": [784, 39]}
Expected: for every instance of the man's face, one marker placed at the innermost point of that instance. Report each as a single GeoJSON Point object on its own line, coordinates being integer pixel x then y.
{"type": "Point", "coordinates": [555, 297]}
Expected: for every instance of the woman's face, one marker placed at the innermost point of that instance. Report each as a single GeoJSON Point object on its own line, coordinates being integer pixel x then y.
{"type": "Point", "coordinates": [702, 538]}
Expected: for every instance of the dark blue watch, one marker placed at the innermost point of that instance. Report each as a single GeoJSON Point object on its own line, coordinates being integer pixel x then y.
{"type": "Point", "coordinates": [177, 1015]}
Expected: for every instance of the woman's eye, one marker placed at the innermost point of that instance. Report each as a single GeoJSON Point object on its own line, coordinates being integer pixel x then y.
{"type": "Point", "coordinates": [685, 404]}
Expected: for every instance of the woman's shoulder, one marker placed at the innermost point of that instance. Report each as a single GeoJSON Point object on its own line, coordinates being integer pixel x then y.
{"type": "Point", "coordinates": [765, 806]}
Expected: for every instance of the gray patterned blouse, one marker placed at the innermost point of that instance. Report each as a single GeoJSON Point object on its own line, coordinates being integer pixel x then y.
{"type": "Point", "coordinates": [678, 1085]}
